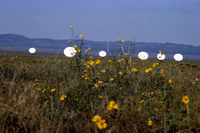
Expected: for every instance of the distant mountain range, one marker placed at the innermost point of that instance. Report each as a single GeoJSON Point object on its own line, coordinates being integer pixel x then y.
{"type": "Point", "coordinates": [14, 42]}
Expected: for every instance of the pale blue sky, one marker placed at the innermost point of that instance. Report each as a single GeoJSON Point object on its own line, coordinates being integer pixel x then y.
{"type": "Point", "coordinates": [176, 21]}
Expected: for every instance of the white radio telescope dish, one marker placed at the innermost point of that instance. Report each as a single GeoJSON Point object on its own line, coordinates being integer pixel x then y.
{"type": "Point", "coordinates": [32, 50]}
{"type": "Point", "coordinates": [70, 51]}
{"type": "Point", "coordinates": [102, 53]}
{"type": "Point", "coordinates": [161, 57]}
{"type": "Point", "coordinates": [143, 55]}
{"type": "Point", "coordinates": [178, 57]}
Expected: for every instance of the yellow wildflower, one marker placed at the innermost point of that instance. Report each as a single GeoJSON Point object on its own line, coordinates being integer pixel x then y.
{"type": "Point", "coordinates": [126, 53]}
{"type": "Point", "coordinates": [118, 38]}
{"type": "Point", "coordinates": [156, 109]}
{"type": "Point", "coordinates": [193, 82]}
{"type": "Point", "coordinates": [111, 79]}
{"type": "Point", "coordinates": [170, 81]}
{"type": "Point", "coordinates": [185, 99]}
{"type": "Point", "coordinates": [121, 48]}
{"type": "Point", "coordinates": [149, 123]}
{"type": "Point", "coordinates": [75, 46]}
{"type": "Point", "coordinates": [97, 61]}
{"type": "Point", "coordinates": [103, 71]}
{"type": "Point", "coordinates": [100, 97]}
{"type": "Point", "coordinates": [112, 105]}
{"type": "Point", "coordinates": [89, 48]}
{"type": "Point", "coordinates": [81, 35]}
{"type": "Point", "coordinates": [147, 70]}
{"type": "Point", "coordinates": [69, 41]}
{"type": "Point", "coordinates": [120, 88]}
{"type": "Point", "coordinates": [96, 118]}
{"type": "Point", "coordinates": [52, 90]}
{"type": "Point", "coordinates": [43, 90]}
{"type": "Point", "coordinates": [142, 101]}
{"type": "Point", "coordinates": [115, 107]}
{"type": "Point", "coordinates": [197, 79]}
{"type": "Point", "coordinates": [87, 78]}
{"type": "Point", "coordinates": [109, 61]}
{"type": "Point", "coordinates": [62, 98]}
{"type": "Point", "coordinates": [120, 73]}
{"type": "Point", "coordinates": [109, 108]}
{"type": "Point", "coordinates": [39, 89]}
{"type": "Point", "coordinates": [78, 50]}
{"type": "Point", "coordinates": [70, 26]}
{"type": "Point", "coordinates": [96, 85]}
{"type": "Point", "coordinates": [86, 51]}
{"type": "Point", "coordinates": [91, 62]}
{"type": "Point", "coordinates": [123, 41]}
{"type": "Point", "coordinates": [100, 82]}
{"type": "Point", "coordinates": [119, 60]}
{"type": "Point", "coordinates": [36, 80]}
{"type": "Point", "coordinates": [134, 70]}
{"type": "Point", "coordinates": [101, 124]}
{"type": "Point", "coordinates": [46, 102]}
{"type": "Point", "coordinates": [91, 57]}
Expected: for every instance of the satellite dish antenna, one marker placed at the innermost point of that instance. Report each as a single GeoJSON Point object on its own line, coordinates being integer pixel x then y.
{"type": "Point", "coordinates": [69, 51]}
{"type": "Point", "coordinates": [102, 53]}
{"type": "Point", "coordinates": [178, 57]}
{"type": "Point", "coordinates": [143, 55]}
{"type": "Point", "coordinates": [32, 50]}
{"type": "Point", "coordinates": [161, 56]}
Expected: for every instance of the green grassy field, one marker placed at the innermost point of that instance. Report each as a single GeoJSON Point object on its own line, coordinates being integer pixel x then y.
{"type": "Point", "coordinates": [56, 94]}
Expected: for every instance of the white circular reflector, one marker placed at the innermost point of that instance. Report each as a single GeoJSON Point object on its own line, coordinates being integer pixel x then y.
{"type": "Point", "coordinates": [161, 57]}
{"type": "Point", "coordinates": [70, 51]}
{"type": "Point", "coordinates": [178, 57]}
{"type": "Point", "coordinates": [143, 55]}
{"type": "Point", "coordinates": [102, 53]}
{"type": "Point", "coordinates": [32, 50]}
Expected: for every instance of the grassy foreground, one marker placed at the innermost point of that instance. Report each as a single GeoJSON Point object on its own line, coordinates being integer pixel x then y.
{"type": "Point", "coordinates": [48, 94]}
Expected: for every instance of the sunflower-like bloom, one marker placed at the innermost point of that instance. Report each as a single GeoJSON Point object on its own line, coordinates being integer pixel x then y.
{"type": "Point", "coordinates": [185, 99]}
{"type": "Point", "coordinates": [97, 61]}
{"type": "Point", "coordinates": [101, 124]}
{"type": "Point", "coordinates": [134, 70]}
{"type": "Point", "coordinates": [112, 105]}
{"type": "Point", "coordinates": [96, 118]}
{"type": "Point", "coordinates": [120, 73]}
{"type": "Point", "coordinates": [149, 123]}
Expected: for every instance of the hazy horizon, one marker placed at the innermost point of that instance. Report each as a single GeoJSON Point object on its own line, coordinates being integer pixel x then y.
{"type": "Point", "coordinates": [148, 21]}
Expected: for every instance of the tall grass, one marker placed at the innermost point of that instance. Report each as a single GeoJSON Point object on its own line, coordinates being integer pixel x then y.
{"type": "Point", "coordinates": [31, 90]}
